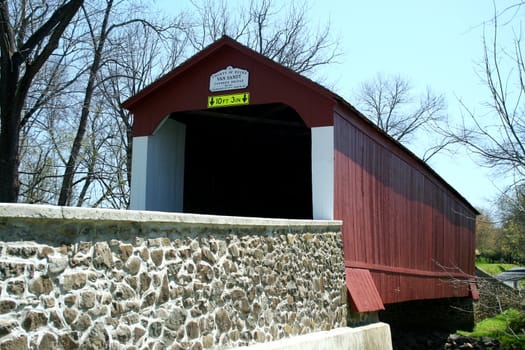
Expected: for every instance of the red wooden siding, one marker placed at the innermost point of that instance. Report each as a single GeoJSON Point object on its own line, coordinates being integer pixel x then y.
{"type": "Point", "coordinates": [412, 232]}
{"type": "Point", "coordinates": [401, 221]}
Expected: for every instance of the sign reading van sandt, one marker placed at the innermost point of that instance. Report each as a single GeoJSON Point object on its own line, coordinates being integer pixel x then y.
{"type": "Point", "coordinates": [239, 99]}
{"type": "Point", "coordinates": [229, 78]}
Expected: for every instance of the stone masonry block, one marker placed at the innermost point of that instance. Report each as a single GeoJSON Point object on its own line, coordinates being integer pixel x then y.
{"type": "Point", "coordinates": [7, 326]}
{"type": "Point", "coordinates": [41, 285]}
{"type": "Point", "coordinates": [34, 320]}
{"type": "Point", "coordinates": [75, 280]}
{"type": "Point", "coordinates": [102, 256]}
{"type": "Point", "coordinates": [15, 342]}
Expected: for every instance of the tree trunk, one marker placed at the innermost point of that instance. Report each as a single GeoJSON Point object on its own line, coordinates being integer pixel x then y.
{"type": "Point", "coordinates": [69, 174]}
{"type": "Point", "coordinates": [14, 88]}
{"type": "Point", "coordinates": [9, 185]}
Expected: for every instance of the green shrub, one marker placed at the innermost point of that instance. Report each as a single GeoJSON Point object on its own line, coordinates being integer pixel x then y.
{"type": "Point", "coordinates": [508, 327]}
{"type": "Point", "coordinates": [517, 323]}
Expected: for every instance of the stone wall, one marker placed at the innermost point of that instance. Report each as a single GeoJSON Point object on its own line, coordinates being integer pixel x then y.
{"type": "Point", "coordinates": [495, 296]}
{"type": "Point", "coordinates": [103, 279]}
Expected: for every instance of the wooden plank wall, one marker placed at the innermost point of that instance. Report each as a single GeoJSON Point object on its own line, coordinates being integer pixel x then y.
{"type": "Point", "coordinates": [401, 222]}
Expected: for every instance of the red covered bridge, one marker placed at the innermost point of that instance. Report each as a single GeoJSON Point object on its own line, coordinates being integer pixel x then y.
{"type": "Point", "coordinates": [231, 132]}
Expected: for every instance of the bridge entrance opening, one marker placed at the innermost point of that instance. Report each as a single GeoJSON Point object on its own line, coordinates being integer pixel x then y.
{"type": "Point", "coordinates": [247, 161]}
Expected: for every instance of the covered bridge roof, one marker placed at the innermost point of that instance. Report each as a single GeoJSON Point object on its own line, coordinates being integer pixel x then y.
{"type": "Point", "coordinates": [186, 88]}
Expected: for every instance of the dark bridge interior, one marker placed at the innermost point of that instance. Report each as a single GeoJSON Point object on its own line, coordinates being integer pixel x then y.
{"type": "Point", "coordinates": [247, 161]}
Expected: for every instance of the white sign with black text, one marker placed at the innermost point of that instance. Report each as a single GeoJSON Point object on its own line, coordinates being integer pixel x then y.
{"type": "Point", "coordinates": [229, 78]}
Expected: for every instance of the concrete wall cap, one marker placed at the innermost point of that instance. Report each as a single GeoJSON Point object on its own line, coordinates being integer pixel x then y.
{"type": "Point", "coordinates": [49, 212]}
{"type": "Point", "coordinates": [335, 339]}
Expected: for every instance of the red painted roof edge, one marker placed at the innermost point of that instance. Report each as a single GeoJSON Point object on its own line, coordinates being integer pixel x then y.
{"type": "Point", "coordinates": [209, 50]}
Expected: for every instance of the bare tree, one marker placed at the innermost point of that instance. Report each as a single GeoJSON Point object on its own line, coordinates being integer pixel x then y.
{"type": "Point", "coordinates": [100, 31]}
{"type": "Point", "coordinates": [143, 56]}
{"type": "Point", "coordinates": [23, 54]}
{"type": "Point", "coordinates": [74, 138]}
{"type": "Point", "coordinates": [283, 34]}
{"type": "Point", "coordinates": [393, 106]}
{"type": "Point", "coordinates": [71, 147]}
{"type": "Point", "coordinates": [98, 38]}
{"type": "Point", "coordinates": [497, 133]}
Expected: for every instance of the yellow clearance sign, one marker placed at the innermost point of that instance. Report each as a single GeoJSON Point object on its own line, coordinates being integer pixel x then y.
{"type": "Point", "coordinates": [239, 99]}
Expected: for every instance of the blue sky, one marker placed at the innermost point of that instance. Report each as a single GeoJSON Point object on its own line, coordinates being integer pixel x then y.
{"type": "Point", "coordinates": [431, 43]}
{"type": "Point", "coordinates": [434, 43]}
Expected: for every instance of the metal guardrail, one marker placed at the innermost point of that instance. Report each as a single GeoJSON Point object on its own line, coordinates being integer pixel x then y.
{"type": "Point", "coordinates": [512, 277]}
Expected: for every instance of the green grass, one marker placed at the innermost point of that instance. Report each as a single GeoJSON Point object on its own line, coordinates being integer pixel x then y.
{"type": "Point", "coordinates": [508, 327]}
{"type": "Point", "coordinates": [494, 269]}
